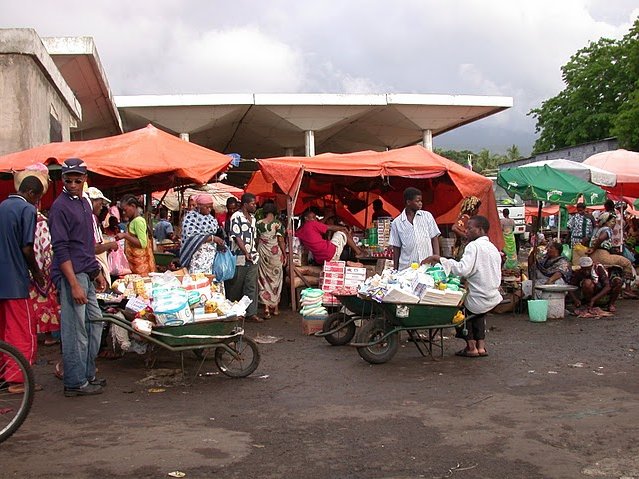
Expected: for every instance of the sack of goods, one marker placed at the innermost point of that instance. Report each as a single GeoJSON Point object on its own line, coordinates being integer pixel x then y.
{"type": "Point", "coordinates": [311, 302]}
{"type": "Point", "coordinates": [171, 306]}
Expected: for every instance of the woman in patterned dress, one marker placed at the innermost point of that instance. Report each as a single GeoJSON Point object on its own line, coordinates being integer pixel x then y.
{"type": "Point", "coordinates": [43, 300]}
{"type": "Point", "coordinates": [272, 254]}
{"type": "Point", "coordinates": [201, 237]}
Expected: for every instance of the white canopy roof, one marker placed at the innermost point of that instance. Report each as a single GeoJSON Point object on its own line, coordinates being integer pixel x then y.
{"type": "Point", "coordinates": [594, 175]}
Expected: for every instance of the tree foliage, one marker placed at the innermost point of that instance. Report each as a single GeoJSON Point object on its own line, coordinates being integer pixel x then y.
{"type": "Point", "coordinates": [482, 161]}
{"type": "Point", "coordinates": [601, 97]}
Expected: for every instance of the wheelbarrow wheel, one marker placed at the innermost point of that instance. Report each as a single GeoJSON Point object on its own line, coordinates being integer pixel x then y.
{"type": "Point", "coordinates": [245, 364]}
{"type": "Point", "coordinates": [381, 352]}
{"type": "Point", "coordinates": [344, 335]}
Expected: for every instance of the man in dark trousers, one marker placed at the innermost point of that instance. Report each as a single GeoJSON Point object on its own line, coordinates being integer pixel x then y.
{"type": "Point", "coordinates": [17, 233]}
{"type": "Point", "coordinates": [74, 271]}
{"type": "Point", "coordinates": [243, 237]}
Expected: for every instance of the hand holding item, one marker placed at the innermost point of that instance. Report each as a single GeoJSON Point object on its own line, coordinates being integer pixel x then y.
{"type": "Point", "coordinates": [100, 283]}
{"type": "Point", "coordinates": [431, 259]}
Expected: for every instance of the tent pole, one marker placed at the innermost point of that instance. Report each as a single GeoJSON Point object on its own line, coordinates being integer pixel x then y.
{"type": "Point", "coordinates": [536, 229]}
{"type": "Point", "coordinates": [368, 193]}
{"type": "Point", "coordinates": [559, 225]}
{"type": "Point", "coordinates": [290, 209]}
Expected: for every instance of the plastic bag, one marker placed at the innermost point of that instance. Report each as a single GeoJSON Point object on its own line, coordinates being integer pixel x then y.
{"type": "Point", "coordinates": [118, 264]}
{"type": "Point", "coordinates": [224, 265]}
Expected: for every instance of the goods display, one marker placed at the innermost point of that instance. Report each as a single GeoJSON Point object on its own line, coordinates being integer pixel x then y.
{"type": "Point", "coordinates": [417, 284]}
{"type": "Point", "coordinates": [171, 299]}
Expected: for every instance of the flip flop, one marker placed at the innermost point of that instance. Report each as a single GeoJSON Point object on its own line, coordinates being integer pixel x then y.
{"type": "Point", "coordinates": [266, 315]}
{"type": "Point", "coordinates": [465, 354]}
{"type": "Point", "coordinates": [484, 354]}
{"type": "Point", "coordinates": [255, 319]}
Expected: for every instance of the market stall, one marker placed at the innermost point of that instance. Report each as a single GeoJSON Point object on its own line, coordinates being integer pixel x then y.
{"type": "Point", "coordinates": [547, 185]}
{"type": "Point", "coordinates": [141, 161]}
{"type": "Point", "coordinates": [444, 183]}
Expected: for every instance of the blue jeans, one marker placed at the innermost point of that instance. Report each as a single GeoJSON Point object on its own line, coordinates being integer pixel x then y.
{"type": "Point", "coordinates": [80, 337]}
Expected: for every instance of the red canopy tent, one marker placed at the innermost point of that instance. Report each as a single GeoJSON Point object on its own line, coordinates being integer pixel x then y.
{"type": "Point", "coordinates": [347, 177]}
{"type": "Point", "coordinates": [143, 160]}
{"type": "Point", "coordinates": [444, 183]}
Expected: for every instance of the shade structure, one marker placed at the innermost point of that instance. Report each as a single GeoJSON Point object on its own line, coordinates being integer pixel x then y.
{"type": "Point", "coordinates": [142, 160]}
{"type": "Point", "coordinates": [543, 183]}
{"type": "Point", "coordinates": [220, 192]}
{"type": "Point", "coordinates": [348, 177]}
{"type": "Point", "coordinates": [589, 173]}
{"type": "Point", "coordinates": [625, 164]}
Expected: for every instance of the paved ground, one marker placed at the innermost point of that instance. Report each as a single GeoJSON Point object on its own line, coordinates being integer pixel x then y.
{"type": "Point", "coordinates": [553, 400]}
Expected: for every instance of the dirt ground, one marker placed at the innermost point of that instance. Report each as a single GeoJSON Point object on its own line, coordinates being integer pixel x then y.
{"type": "Point", "coordinates": [553, 400]}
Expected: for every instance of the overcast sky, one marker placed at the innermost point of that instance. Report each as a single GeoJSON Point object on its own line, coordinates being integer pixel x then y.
{"type": "Point", "coordinates": [481, 47]}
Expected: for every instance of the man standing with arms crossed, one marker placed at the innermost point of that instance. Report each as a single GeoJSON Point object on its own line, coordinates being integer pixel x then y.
{"type": "Point", "coordinates": [17, 233]}
{"type": "Point", "coordinates": [74, 270]}
{"type": "Point", "coordinates": [413, 233]}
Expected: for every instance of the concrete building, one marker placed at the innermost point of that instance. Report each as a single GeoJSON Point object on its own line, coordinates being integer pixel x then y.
{"type": "Point", "coordinates": [576, 153]}
{"type": "Point", "coordinates": [37, 105]}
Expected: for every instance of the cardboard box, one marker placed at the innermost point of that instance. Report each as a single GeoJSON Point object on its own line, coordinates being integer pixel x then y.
{"type": "Point", "coordinates": [334, 266]}
{"type": "Point", "coordinates": [312, 326]}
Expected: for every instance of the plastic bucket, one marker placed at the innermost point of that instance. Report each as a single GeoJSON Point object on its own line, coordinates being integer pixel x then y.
{"type": "Point", "coordinates": [538, 310]}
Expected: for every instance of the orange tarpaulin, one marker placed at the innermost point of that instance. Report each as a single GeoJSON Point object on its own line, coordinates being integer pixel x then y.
{"type": "Point", "coordinates": [443, 183]}
{"type": "Point", "coordinates": [140, 160]}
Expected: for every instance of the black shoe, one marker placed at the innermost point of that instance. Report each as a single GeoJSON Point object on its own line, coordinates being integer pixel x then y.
{"type": "Point", "coordinates": [88, 390]}
{"type": "Point", "coordinates": [96, 381]}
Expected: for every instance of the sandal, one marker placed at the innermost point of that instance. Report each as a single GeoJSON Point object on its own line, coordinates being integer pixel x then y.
{"type": "Point", "coordinates": [18, 388]}
{"type": "Point", "coordinates": [267, 315]}
{"type": "Point", "coordinates": [465, 354]}
{"type": "Point", "coordinates": [484, 354]}
{"type": "Point", "coordinates": [58, 371]}
{"type": "Point", "coordinates": [255, 319]}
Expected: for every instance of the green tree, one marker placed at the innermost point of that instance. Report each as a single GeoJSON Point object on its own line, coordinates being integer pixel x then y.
{"type": "Point", "coordinates": [513, 153]}
{"type": "Point", "coordinates": [601, 81]}
{"type": "Point", "coordinates": [460, 157]}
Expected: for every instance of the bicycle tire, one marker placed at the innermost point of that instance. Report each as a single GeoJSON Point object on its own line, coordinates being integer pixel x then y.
{"type": "Point", "coordinates": [7, 399]}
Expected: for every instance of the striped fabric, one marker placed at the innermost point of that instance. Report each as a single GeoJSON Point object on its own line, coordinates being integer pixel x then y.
{"type": "Point", "coordinates": [415, 240]}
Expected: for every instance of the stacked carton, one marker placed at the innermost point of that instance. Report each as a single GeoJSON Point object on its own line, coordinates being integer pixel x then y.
{"type": "Point", "coordinates": [383, 231]}
{"type": "Point", "coordinates": [333, 277]}
{"type": "Point", "coordinates": [353, 277]}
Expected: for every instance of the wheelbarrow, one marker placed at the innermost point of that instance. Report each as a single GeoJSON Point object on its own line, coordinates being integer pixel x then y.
{"type": "Point", "coordinates": [339, 327]}
{"type": "Point", "coordinates": [235, 354]}
{"type": "Point", "coordinates": [378, 340]}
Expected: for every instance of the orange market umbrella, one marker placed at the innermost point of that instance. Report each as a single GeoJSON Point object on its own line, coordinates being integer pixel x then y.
{"type": "Point", "coordinates": [139, 161]}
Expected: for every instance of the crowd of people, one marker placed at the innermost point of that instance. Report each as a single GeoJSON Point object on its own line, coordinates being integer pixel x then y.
{"type": "Point", "coordinates": [597, 257]}
{"type": "Point", "coordinates": [56, 263]}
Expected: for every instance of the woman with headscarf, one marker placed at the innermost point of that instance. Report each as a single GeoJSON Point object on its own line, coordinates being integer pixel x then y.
{"type": "Point", "coordinates": [201, 237]}
{"type": "Point", "coordinates": [601, 244]}
{"type": "Point", "coordinates": [551, 268]}
{"type": "Point", "coordinates": [139, 243]}
{"type": "Point", "coordinates": [272, 253]}
{"type": "Point", "coordinates": [469, 208]}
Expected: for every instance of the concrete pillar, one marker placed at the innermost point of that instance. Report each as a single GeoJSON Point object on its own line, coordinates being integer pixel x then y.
{"type": "Point", "coordinates": [309, 143]}
{"type": "Point", "coordinates": [289, 152]}
{"type": "Point", "coordinates": [427, 142]}
{"type": "Point", "coordinates": [184, 136]}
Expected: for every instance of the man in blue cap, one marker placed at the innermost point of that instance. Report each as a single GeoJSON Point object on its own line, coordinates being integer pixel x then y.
{"type": "Point", "coordinates": [74, 270]}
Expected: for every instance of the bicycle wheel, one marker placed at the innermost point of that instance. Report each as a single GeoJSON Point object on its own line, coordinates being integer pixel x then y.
{"type": "Point", "coordinates": [247, 361]}
{"type": "Point", "coordinates": [14, 406]}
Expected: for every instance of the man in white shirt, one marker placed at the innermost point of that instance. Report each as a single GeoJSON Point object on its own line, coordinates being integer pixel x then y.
{"type": "Point", "coordinates": [481, 266]}
{"type": "Point", "coordinates": [413, 233]}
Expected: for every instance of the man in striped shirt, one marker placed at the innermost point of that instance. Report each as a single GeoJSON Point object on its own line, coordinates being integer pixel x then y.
{"type": "Point", "coordinates": [413, 233]}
